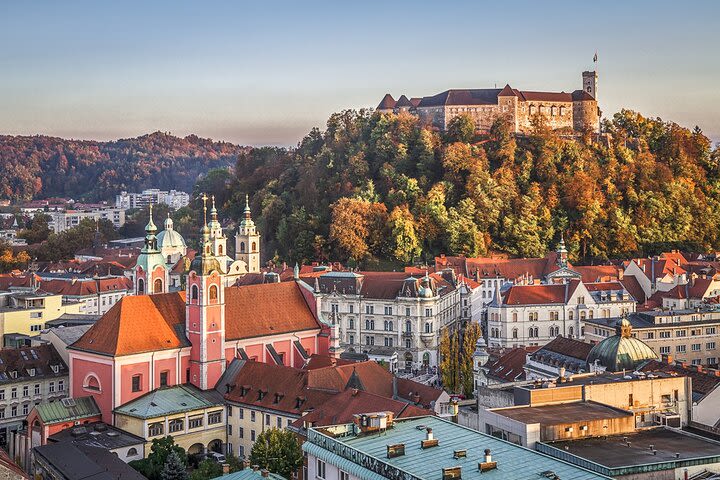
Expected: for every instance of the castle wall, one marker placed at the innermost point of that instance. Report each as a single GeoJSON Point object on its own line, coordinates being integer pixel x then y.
{"type": "Point", "coordinates": [556, 114]}
{"type": "Point", "coordinates": [586, 116]}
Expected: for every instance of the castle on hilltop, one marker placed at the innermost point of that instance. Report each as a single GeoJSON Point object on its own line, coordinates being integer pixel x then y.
{"type": "Point", "coordinates": [577, 111]}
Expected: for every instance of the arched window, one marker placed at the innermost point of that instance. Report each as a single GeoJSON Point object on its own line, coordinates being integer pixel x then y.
{"type": "Point", "coordinates": [141, 286]}
{"type": "Point", "coordinates": [213, 293]}
{"type": "Point", "coordinates": [132, 452]}
{"type": "Point", "coordinates": [571, 315]}
{"type": "Point", "coordinates": [385, 326]}
{"type": "Point", "coordinates": [367, 324]}
{"type": "Point", "coordinates": [428, 327]}
{"type": "Point", "coordinates": [352, 323]}
{"type": "Point", "coordinates": [157, 286]}
{"type": "Point", "coordinates": [514, 316]}
{"type": "Point", "coordinates": [169, 259]}
{"type": "Point", "coordinates": [194, 292]}
{"type": "Point", "coordinates": [536, 332]}
{"type": "Point", "coordinates": [514, 332]}
{"type": "Point", "coordinates": [570, 331]}
{"type": "Point", "coordinates": [582, 315]}
{"type": "Point", "coordinates": [254, 247]}
{"type": "Point", "coordinates": [391, 326]}
{"type": "Point", "coordinates": [408, 326]}
{"type": "Point", "coordinates": [91, 383]}
{"type": "Point", "coordinates": [220, 250]}
{"type": "Point", "coordinates": [242, 247]}
{"type": "Point", "coordinates": [530, 332]}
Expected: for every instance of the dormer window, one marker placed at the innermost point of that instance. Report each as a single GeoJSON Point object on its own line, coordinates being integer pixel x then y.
{"type": "Point", "coordinates": [278, 397]}
{"type": "Point", "coordinates": [13, 374]}
{"type": "Point", "coordinates": [55, 368]}
{"type": "Point", "coordinates": [244, 391]}
{"type": "Point", "coordinates": [299, 402]}
{"type": "Point", "coordinates": [261, 394]}
{"type": "Point", "coordinates": [31, 372]}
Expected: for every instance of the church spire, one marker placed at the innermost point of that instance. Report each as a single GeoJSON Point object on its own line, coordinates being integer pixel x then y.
{"type": "Point", "coordinates": [562, 253]}
{"type": "Point", "coordinates": [150, 233]}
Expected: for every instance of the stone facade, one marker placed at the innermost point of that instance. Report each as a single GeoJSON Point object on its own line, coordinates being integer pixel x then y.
{"type": "Point", "coordinates": [576, 111]}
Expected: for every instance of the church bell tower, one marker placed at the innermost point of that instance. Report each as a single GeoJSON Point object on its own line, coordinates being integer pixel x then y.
{"type": "Point", "coordinates": [247, 241]}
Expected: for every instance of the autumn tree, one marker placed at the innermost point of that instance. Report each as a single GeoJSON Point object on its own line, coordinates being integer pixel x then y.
{"type": "Point", "coordinates": [357, 227]}
{"type": "Point", "coordinates": [449, 366]}
{"type": "Point", "coordinates": [403, 242]}
{"type": "Point", "coordinates": [471, 334]}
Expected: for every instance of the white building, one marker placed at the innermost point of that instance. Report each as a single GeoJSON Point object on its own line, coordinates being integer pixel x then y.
{"type": "Point", "coordinates": [61, 220]}
{"type": "Point", "coordinates": [152, 196]}
{"type": "Point", "coordinates": [536, 314]}
{"type": "Point", "coordinates": [394, 317]}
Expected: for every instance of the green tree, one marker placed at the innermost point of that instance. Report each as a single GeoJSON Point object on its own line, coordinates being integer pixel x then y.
{"type": "Point", "coordinates": [161, 448]}
{"type": "Point", "coordinates": [277, 451]}
{"type": "Point", "coordinates": [174, 468]}
{"type": "Point", "coordinates": [38, 231]}
{"type": "Point", "coordinates": [207, 470]}
{"type": "Point", "coordinates": [464, 236]}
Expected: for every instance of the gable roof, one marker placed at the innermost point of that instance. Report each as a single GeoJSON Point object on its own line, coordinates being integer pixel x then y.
{"type": "Point", "coordinates": [598, 273]}
{"type": "Point", "coordinates": [342, 407]}
{"type": "Point", "coordinates": [30, 362]}
{"type": "Point", "coordinates": [465, 96]}
{"type": "Point", "coordinates": [136, 324]}
{"type": "Point", "coordinates": [538, 294]}
{"type": "Point", "coordinates": [509, 366]}
{"type": "Point", "coordinates": [633, 287]}
{"type": "Point", "coordinates": [267, 309]}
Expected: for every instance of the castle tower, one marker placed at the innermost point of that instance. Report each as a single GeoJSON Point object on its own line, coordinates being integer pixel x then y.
{"type": "Point", "coordinates": [205, 314]}
{"type": "Point", "coordinates": [217, 237]}
{"type": "Point", "coordinates": [247, 241]}
{"type": "Point", "coordinates": [590, 83]}
{"type": "Point", "coordinates": [151, 273]}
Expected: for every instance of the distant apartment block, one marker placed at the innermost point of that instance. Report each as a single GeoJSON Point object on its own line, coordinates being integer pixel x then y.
{"type": "Point", "coordinates": [174, 199]}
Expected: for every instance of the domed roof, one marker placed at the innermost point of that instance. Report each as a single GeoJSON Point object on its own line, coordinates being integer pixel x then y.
{"type": "Point", "coordinates": [170, 238]}
{"type": "Point", "coordinates": [622, 351]}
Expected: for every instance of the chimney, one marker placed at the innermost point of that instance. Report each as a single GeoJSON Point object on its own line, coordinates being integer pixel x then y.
{"type": "Point", "coordinates": [488, 457]}
{"type": "Point", "coordinates": [429, 434]}
{"type": "Point", "coordinates": [487, 464]}
{"type": "Point", "coordinates": [394, 386]}
{"type": "Point", "coordinates": [430, 441]}
{"type": "Point", "coordinates": [562, 374]}
{"type": "Point", "coordinates": [255, 468]}
{"type": "Point", "coordinates": [265, 473]}
{"type": "Point", "coordinates": [225, 468]}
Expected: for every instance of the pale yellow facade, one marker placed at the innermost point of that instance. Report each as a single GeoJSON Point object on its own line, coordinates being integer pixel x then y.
{"type": "Point", "coordinates": [196, 431]}
{"type": "Point", "coordinates": [246, 423]}
{"type": "Point", "coordinates": [27, 313]}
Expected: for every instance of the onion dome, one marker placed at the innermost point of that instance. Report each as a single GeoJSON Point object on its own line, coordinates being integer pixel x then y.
{"type": "Point", "coordinates": [425, 290]}
{"type": "Point", "coordinates": [622, 351]}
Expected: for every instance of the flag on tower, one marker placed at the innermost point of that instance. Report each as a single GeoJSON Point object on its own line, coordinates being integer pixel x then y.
{"type": "Point", "coordinates": [595, 58]}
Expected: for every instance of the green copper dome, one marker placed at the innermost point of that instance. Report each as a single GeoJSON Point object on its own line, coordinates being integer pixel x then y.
{"type": "Point", "coordinates": [622, 351]}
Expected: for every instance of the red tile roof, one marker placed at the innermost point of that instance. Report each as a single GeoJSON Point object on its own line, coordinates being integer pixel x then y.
{"type": "Point", "coordinates": [569, 347]}
{"type": "Point", "coordinates": [703, 382]}
{"type": "Point", "coordinates": [137, 324]}
{"type": "Point", "coordinates": [509, 366]}
{"type": "Point", "coordinates": [633, 287]}
{"type": "Point", "coordinates": [538, 294]}
{"type": "Point", "coordinates": [598, 273]}
{"type": "Point", "coordinates": [267, 309]}
{"type": "Point", "coordinates": [603, 286]}
{"type": "Point", "coordinates": [147, 323]}
{"type": "Point", "coordinates": [341, 408]}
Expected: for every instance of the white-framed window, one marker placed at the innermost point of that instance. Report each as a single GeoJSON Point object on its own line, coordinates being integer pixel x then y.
{"type": "Point", "coordinates": [320, 470]}
{"type": "Point", "coordinates": [665, 350]}
{"type": "Point", "coordinates": [344, 475]}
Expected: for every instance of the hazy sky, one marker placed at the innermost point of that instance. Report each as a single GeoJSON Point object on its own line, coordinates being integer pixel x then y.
{"type": "Point", "coordinates": [266, 72]}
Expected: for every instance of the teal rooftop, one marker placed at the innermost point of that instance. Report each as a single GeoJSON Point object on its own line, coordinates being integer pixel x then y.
{"type": "Point", "coordinates": [366, 454]}
{"type": "Point", "coordinates": [170, 400]}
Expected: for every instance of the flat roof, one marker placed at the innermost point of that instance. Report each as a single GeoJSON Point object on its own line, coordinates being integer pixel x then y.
{"type": "Point", "coordinates": [97, 434]}
{"type": "Point", "coordinates": [613, 452]}
{"type": "Point", "coordinates": [561, 413]}
{"type": "Point", "coordinates": [513, 461]}
{"type": "Point", "coordinates": [601, 378]}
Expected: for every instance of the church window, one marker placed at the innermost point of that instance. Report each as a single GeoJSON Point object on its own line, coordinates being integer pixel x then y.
{"type": "Point", "coordinates": [92, 383]}
{"type": "Point", "coordinates": [242, 247]}
{"type": "Point", "coordinates": [141, 286]}
{"type": "Point", "coordinates": [514, 317]}
{"type": "Point", "coordinates": [220, 250]}
{"type": "Point", "coordinates": [158, 287]}
{"type": "Point", "coordinates": [514, 333]}
{"type": "Point", "coordinates": [169, 259]}
{"type": "Point", "coordinates": [254, 247]}
{"type": "Point", "coordinates": [194, 292]}
{"type": "Point", "coordinates": [571, 331]}
{"type": "Point", "coordinates": [136, 383]}
{"type": "Point", "coordinates": [213, 294]}
{"type": "Point", "coordinates": [164, 378]}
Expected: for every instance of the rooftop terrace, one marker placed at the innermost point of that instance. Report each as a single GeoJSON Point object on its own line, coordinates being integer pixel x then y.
{"type": "Point", "coordinates": [562, 413]}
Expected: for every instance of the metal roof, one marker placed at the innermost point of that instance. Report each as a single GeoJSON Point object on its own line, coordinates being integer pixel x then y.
{"type": "Point", "coordinates": [170, 400]}
{"type": "Point", "coordinates": [249, 474]}
{"type": "Point", "coordinates": [67, 409]}
{"type": "Point", "coordinates": [513, 461]}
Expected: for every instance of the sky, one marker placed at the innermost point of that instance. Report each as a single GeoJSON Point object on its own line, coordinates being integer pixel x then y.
{"type": "Point", "coordinates": [265, 73]}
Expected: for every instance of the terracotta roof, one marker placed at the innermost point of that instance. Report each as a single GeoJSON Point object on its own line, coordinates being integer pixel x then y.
{"type": "Point", "coordinates": [341, 407]}
{"type": "Point", "coordinates": [322, 361]}
{"type": "Point", "coordinates": [86, 287]}
{"type": "Point", "coordinates": [416, 101]}
{"type": "Point", "coordinates": [598, 273]}
{"type": "Point", "coordinates": [9, 469]}
{"type": "Point", "coordinates": [507, 92]}
{"type": "Point", "coordinates": [568, 347]}
{"type": "Point", "coordinates": [509, 366]}
{"type": "Point", "coordinates": [536, 294]}
{"type": "Point", "coordinates": [511, 268]}
{"type": "Point", "coordinates": [267, 309]}
{"type": "Point", "coordinates": [604, 286]}
{"type": "Point", "coordinates": [387, 102]}
{"type": "Point", "coordinates": [19, 281]}
{"type": "Point", "coordinates": [703, 382]}
{"type": "Point", "coordinates": [138, 323]}
{"type": "Point", "coordinates": [633, 287]}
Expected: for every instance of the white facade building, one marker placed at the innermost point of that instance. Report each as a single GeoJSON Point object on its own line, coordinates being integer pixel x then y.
{"type": "Point", "coordinates": [152, 196]}
{"type": "Point", "coordinates": [390, 316]}
{"type": "Point", "coordinates": [536, 314]}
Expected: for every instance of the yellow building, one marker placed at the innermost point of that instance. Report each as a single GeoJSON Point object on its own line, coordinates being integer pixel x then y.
{"type": "Point", "coordinates": [24, 314]}
{"type": "Point", "coordinates": [194, 418]}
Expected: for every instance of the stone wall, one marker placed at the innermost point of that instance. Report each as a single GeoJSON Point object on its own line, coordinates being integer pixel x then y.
{"type": "Point", "coordinates": [586, 115]}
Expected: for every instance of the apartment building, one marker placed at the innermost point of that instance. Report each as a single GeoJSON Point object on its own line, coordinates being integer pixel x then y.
{"type": "Point", "coordinates": [24, 314]}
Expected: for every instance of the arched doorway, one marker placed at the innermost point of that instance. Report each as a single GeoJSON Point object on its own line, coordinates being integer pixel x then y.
{"type": "Point", "coordinates": [215, 446]}
{"type": "Point", "coordinates": [408, 361]}
{"type": "Point", "coordinates": [426, 360]}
